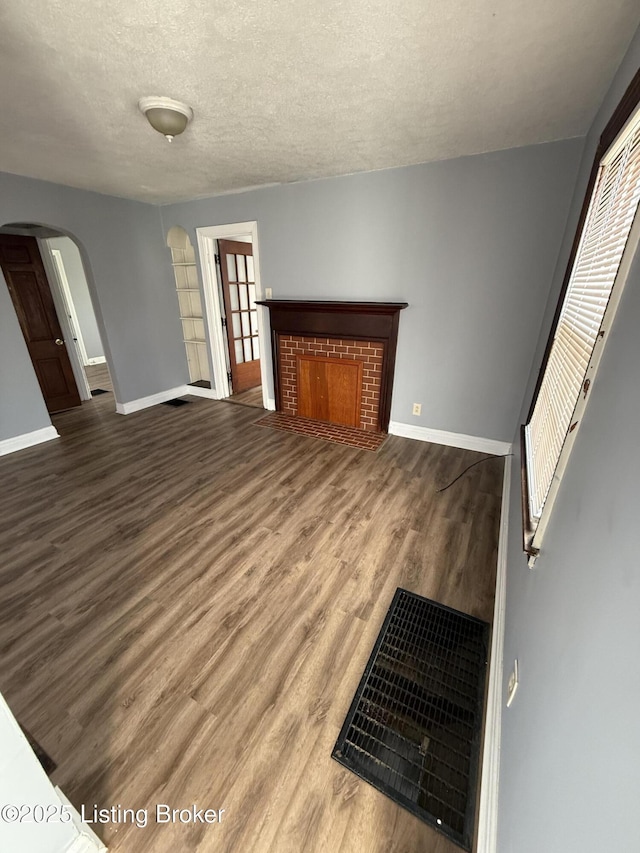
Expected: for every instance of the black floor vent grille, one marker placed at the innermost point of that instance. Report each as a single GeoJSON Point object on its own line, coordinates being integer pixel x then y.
{"type": "Point", "coordinates": [414, 727]}
{"type": "Point", "coordinates": [176, 402]}
{"type": "Point", "coordinates": [98, 391]}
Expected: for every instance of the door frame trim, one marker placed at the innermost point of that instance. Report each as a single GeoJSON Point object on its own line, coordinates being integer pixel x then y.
{"type": "Point", "coordinates": [69, 304]}
{"type": "Point", "coordinates": [207, 249]}
{"type": "Point", "coordinates": [59, 300]}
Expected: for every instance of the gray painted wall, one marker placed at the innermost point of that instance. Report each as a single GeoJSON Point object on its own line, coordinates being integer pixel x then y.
{"type": "Point", "coordinates": [130, 277]}
{"type": "Point", "coordinates": [470, 243]}
{"type": "Point", "coordinates": [570, 773]}
{"type": "Point", "coordinates": [80, 295]}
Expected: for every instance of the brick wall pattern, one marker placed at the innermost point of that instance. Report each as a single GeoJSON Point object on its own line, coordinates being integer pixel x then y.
{"type": "Point", "coordinates": [369, 352]}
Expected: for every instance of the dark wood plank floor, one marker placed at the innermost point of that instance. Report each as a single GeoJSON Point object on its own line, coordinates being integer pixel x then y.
{"type": "Point", "coordinates": [188, 602]}
{"type": "Point", "coordinates": [98, 377]}
{"type": "Point", "coordinates": [252, 397]}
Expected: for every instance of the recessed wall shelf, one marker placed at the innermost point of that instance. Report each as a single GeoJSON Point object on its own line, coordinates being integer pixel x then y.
{"type": "Point", "coordinates": [191, 313]}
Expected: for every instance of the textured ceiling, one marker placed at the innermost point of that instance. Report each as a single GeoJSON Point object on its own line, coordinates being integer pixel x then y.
{"type": "Point", "coordinates": [285, 90]}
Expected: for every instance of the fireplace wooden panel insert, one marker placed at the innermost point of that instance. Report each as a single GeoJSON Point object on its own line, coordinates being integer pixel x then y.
{"type": "Point", "coordinates": [329, 389]}
{"type": "Point", "coordinates": [340, 333]}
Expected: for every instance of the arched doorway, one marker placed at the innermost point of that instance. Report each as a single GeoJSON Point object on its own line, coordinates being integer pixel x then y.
{"type": "Point", "coordinates": [48, 283]}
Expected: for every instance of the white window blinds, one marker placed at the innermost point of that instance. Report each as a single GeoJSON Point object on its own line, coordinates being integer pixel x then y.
{"type": "Point", "coordinates": [607, 225]}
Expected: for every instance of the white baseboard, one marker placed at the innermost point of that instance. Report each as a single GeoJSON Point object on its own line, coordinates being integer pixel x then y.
{"type": "Point", "coordinates": [209, 393]}
{"type": "Point", "coordinates": [99, 359]}
{"type": "Point", "coordinates": [152, 400]}
{"type": "Point", "coordinates": [490, 783]}
{"type": "Point", "coordinates": [27, 439]}
{"type": "Point", "coordinates": [86, 841]}
{"type": "Point", "coordinates": [452, 439]}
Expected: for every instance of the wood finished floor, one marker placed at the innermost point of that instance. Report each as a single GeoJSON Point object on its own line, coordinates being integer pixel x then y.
{"type": "Point", "coordinates": [188, 603]}
{"type": "Point", "coordinates": [252, 397]}
{"type": "Point", "coordinates": [98, 377]}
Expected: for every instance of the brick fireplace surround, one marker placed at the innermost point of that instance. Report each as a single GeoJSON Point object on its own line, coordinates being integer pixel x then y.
{"type": "Point", "coordinates": [368, 352]}
{"type": "Point", "coordinates": [364, 332]}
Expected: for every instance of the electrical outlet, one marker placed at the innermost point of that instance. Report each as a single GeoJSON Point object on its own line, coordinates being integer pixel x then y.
{"type": "Point", "coordinates": [512, 686]}
{"type": "Point", "coordinates": [417, 409]}
{"type": "Point", "coordinates": [268, 293]}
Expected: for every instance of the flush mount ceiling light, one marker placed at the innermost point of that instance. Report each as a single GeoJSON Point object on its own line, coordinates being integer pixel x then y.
{"type": "Point", "coordinates": [166, 116]}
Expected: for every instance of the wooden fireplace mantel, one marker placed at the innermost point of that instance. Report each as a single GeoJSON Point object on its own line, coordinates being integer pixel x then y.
{"type": "Point", "coordinates": [366, 321]}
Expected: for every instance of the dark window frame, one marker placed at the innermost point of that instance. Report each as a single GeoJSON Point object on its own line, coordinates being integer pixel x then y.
{"type": "Point", "coordinates": [628, 104]}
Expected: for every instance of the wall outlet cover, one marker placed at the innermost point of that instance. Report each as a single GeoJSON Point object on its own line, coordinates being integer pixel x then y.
{"type": "Point", "coordinates": [417, 409]}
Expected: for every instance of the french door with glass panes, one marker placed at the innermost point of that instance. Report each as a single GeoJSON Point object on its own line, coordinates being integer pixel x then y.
{"type": "Point", "coordinates": [239, 291]}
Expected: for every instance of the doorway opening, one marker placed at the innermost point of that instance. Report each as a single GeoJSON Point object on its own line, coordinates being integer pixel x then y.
{"type": "Point", "coordinates": [79, 311]}
{"type": "Point", "coordinates": [238, 328]}
{"type": "Point", "coordinates": [47, 282]}
{"type": "Point", "coordinates": [236, 280]}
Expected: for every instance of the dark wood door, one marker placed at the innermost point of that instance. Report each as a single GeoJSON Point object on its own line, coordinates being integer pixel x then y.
{"type": "Point", "coordinates": [330, 389]}
{"type": "Point", "coordinates": [239, 290]}
{"type": "Point", "coordinates": [29, 288]}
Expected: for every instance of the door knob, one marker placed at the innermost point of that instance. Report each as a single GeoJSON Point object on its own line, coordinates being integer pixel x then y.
{"type": "Point", "coordinates": [59, 342]}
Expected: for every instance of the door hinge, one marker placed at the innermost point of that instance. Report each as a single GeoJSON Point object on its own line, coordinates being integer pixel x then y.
{"type": "Point", "coordinates": [229, 375]}
{"type": "Point", "coordinates": [224, 322]}
{"type": "Point", "coordinates": [217, 257]}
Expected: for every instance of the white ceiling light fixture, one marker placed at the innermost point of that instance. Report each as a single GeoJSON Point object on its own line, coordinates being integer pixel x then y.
{"type": "Point", "coordinates": [168, 117]}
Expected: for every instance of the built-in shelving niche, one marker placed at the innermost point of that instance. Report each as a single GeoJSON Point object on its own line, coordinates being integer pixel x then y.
{"type": "Point", "coordinates": [183, 258]}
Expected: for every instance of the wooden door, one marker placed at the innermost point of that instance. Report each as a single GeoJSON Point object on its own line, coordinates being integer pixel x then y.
{"type": "Point", "coordinates": [29, 288]}
{"type": "Point", "coordinates": [239, 290]}
{"type": "Point", "coordinates": [330, 389]}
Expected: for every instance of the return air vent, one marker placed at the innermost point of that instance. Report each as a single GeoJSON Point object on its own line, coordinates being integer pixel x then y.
{"type": "Point", "coordinates": [175, 402]}
{"type": "Point", "coordinates": [414, 727]}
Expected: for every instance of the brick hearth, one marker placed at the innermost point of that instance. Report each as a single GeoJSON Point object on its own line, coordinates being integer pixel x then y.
{"type": "Point", "coordinates": [328, 432]}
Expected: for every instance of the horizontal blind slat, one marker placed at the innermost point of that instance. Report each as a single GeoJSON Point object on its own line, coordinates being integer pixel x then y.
{"type": "Point", "coordinates": [611, 211]}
